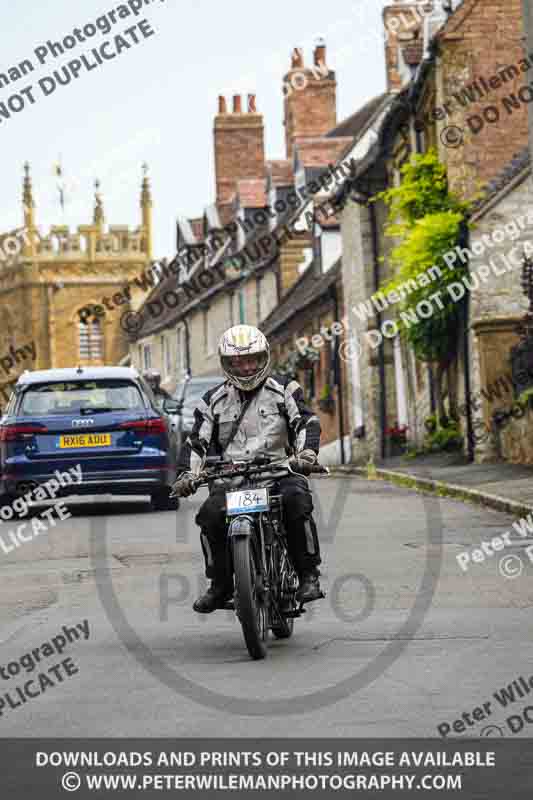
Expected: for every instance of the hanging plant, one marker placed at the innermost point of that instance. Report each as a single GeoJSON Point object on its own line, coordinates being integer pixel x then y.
{"type": "Point", "coordinates": [287, 367]}
{"type": "Point", "coordinates": [295, 360]}
{"type": "Point", "coordinates": [307, 357]}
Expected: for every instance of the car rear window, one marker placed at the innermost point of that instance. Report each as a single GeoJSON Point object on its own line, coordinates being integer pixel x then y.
{"type": "Point", "coordinates": [195, 391]}
{"type": "Point", "coordinates": [80, 397]}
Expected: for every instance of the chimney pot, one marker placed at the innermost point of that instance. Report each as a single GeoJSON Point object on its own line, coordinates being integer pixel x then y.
{"type": "Point", "coordinates": [237, 104]}
{"type": "Point", "coordinates": [251, 104]}
{"type": "Point", "coordinates": [320, 52]}
{"type": "Point", "coordinates": [297, 58]}
{"type": "Point", "coordinates": [222, 107]}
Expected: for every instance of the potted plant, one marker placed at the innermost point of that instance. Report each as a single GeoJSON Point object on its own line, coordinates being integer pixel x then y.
{"type": "Point", "coordinates": [307, 357]}
{"type": "Point", "coordinates": [398, 439]}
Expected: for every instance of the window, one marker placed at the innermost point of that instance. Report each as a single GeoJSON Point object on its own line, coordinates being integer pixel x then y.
{"type": "Point", "coordinates": [241, 235]}
{"type": "Point", "coordinates": [81, 397]}
{"type": "Point", "coordinates": [147, 357]}
{"type": "Point", "coordinates": [208, 334]}
{"type": "Point", "coordinates": [401, 392]}
{"type": "Point", "coordinates": [180, 364]}
{"type": "Point", "coordinates": [165, 356]}
{"type": "Point", "coordinates": [90, 340]}
{"type": "Point", "coordinates": [168, 357]}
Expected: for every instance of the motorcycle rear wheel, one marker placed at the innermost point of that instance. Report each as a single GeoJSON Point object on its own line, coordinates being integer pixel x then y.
{"type": "Point", "coordinates": [250, 607]}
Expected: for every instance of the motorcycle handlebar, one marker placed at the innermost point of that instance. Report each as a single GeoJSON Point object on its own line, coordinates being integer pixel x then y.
{"type": "Point", "coordinates": [250, 468]}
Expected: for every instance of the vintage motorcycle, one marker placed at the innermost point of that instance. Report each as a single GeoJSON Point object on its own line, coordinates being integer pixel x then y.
{"type": "Point", "coordinates": [264, 577]}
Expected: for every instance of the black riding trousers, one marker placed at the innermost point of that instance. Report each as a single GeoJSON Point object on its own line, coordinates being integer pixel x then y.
{"type": "Point", "coordinates": [303, 544]}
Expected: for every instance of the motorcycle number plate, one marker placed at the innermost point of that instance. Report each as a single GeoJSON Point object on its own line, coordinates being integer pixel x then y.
{"type": "Point", "coordinates": [247, 501]}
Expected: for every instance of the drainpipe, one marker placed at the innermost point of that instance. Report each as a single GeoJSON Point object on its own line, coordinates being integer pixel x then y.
{"type": "Point", "coordinates": [338, 375]}
{"type": "Point", "coordinates": [431, 382]}
{"type": "Point", "coordinates": [464, 242]}
{"type": "Point", "coordinates": [187, 345]}
{"type": "Point", "coordinates": [381, 354]}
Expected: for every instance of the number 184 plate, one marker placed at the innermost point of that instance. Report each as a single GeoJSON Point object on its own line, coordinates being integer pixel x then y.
{"type": "Point", "coordinates": [247, 501]}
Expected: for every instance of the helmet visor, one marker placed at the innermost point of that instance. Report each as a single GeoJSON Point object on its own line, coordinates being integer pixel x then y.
{"type": "Point", "coordinates": [246, 365]}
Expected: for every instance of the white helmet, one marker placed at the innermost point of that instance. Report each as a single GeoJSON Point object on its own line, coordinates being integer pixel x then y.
{"type": "Point", "coordinates": [244, 356]}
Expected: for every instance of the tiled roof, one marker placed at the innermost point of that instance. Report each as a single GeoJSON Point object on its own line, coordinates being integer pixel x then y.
{"type": "Point", "coordinates": [353, 125]}
{"type": "Point", "coordinates": [512, 169]}
{"type": "Point", "coordinates": [308, 289]}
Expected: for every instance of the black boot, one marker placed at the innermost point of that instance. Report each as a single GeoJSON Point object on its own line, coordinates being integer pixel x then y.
{"type": "Point", "coordinates": [215, 597]}
{"type": "Point", "coordinates": [309, 587]}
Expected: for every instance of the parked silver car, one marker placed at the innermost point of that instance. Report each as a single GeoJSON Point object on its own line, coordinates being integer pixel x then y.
{"type": "Point", "coordinates": [185, 399]}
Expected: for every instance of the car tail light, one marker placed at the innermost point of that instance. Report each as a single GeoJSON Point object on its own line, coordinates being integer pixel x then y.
{"type": "Point", "coordinates": [18, 433]}
{"type": "Point", "coordinates": [146, 425]}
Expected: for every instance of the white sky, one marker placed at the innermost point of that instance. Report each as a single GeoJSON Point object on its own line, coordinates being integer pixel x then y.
{"type": "Point", "coordinates": [156, 101]}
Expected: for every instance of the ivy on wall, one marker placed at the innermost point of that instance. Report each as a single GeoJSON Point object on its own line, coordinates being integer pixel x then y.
{"type": "Point", "coordinates": [426, 220]}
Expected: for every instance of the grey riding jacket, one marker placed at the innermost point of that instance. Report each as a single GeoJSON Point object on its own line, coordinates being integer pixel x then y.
{"type": "Point", "coordinates": [276, 421]}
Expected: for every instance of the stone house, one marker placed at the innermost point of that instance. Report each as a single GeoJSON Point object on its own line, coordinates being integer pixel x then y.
{"type": "Point", "coordinates": [441, 79]}
{"type": "Point", "coordinates": [268, 229]}
{"type": "Point", "coordinates": [500, 429]}
{"type": "Point", "coordinates": [312, 305]}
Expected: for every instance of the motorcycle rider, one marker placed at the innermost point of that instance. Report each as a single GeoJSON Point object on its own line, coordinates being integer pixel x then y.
{"type": "Point", "coordinates": [253, 412]}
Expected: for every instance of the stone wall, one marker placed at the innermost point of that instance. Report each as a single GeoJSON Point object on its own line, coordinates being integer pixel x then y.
{"type": "Point", "coordinates": [497, 304]}
{"type": "Point", "coordinates": [363, 366]}
{"type": "Point", "coordinates": [515, 440]}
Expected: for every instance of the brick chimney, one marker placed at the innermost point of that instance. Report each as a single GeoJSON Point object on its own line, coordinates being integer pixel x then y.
{"type": "Point", "coordinates": [310, 98]}
{"type": "Point", "coordinates": [403, 23]}
{"type": "Point", "coordinates": [239, 146]}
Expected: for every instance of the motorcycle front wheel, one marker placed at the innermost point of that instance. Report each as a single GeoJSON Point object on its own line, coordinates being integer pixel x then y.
{"type": "Point", "coordinates": [249, 604]}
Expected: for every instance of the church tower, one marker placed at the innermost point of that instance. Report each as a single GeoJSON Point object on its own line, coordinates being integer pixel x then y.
{"type": "Point", "coordinates": [45, 280]}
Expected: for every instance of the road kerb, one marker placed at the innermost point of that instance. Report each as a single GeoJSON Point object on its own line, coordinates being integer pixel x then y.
{"type": "Point", "coordinates": [443, 489]}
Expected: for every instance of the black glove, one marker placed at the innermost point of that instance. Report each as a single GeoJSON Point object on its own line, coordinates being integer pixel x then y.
{"type": "Point", "coordinates": [185, 485]}
{"type": "Point", "coordinates": [304, 461]}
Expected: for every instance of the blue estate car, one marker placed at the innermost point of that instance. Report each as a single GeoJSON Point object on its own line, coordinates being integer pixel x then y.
{"type": "Point", "coordinates": [104, 419]}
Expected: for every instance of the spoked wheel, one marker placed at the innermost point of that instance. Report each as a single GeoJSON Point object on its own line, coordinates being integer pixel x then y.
{"type": "Point", "coordinates": [250, 606]}
{"type": "Point", "coordinates": [284, 627]}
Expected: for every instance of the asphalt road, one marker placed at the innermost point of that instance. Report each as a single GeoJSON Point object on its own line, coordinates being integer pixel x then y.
{"type": "Point", "coordinates": [404, 641]}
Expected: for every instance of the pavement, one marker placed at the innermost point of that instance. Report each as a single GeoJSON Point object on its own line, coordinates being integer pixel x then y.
{"type": "Point", "coordinates": [502, 486]}
{"type": "Point", "coordinates": [404, 642]}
